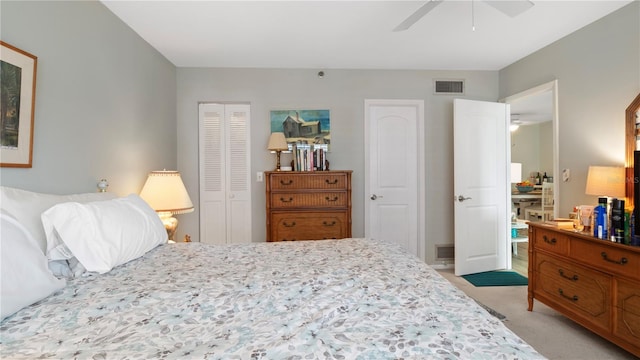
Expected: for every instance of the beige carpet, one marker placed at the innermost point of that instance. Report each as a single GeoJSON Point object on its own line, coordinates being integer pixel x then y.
{"type": "Point", "coordinates": [550, 333]}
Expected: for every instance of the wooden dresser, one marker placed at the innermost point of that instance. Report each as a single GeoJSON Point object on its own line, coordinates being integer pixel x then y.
{"type": "Point", "coordinates": [594, 282]}
{"type": "Point", "coordinates": [310, 205]}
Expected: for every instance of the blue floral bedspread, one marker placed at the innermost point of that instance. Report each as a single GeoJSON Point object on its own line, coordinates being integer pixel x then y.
{"type": "Point", "coordinates": [329, 299]}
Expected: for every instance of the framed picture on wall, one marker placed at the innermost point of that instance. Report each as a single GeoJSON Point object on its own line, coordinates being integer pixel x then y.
{"type": "Point", "coordinates": [18, 94]}
{"type": "Point", "coordinates": [307, 126]}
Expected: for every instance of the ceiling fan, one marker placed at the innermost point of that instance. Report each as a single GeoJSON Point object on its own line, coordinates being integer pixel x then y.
{"type": "Point", "coordinates": [511, 8]}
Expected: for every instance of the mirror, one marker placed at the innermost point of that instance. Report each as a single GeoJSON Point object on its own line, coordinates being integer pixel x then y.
{"type": "Point", "coordinates": [539, 104]}
{"type": "Point", "coordinates": [632, 132]}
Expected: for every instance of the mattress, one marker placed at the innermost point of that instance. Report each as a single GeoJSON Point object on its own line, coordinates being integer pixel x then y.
{"type": "Point", "coordinates": [336, 299]}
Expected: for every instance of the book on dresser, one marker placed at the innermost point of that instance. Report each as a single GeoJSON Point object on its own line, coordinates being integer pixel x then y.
{"type": "Point", "coordinates": [308, 205]}
{"type": "Point", "coordinates": [594, 282]}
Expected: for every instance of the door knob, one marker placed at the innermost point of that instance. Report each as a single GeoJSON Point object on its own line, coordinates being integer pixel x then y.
{"type": "Point", "coordinates": [374, 196]}
{"type": "Point", "coordinates": [462, 198]}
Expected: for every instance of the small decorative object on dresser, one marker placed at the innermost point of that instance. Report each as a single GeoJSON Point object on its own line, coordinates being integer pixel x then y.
{"type": "Point", "coordinates": [594, 282]}
{"type": "Point", "coordinates": [308, 205]}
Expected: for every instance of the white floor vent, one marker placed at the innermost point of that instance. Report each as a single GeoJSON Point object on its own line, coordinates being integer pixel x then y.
{"type": "Point", "coordinates": [445, 252]}
{"type": "Point", "coordinates": [448, 87]}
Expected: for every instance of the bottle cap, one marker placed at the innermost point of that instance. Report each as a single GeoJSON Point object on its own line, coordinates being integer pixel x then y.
{"type": "Point", "coordinates": [617, 204]}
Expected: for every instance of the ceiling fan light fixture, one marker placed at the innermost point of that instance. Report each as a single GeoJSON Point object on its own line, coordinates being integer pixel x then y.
{"type": "Point", "coordinates": [510, 8]}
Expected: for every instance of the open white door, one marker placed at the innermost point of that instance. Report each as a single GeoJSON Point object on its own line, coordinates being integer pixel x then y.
{"type": "Point", "coordinates": [481, 189]}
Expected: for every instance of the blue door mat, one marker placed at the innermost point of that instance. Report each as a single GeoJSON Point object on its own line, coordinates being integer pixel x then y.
{"type": "Point", "coordinates": [496, 278]}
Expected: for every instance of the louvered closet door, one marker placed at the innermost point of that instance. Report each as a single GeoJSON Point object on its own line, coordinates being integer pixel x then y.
{"type": "Point", "coordinates": [225, 196]}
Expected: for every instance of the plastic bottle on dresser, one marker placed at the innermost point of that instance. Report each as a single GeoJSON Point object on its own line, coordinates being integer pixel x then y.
{"type": "Point", "coordinates": [617, 220]}
{"type": "Point", "coordinates": [600, 217]}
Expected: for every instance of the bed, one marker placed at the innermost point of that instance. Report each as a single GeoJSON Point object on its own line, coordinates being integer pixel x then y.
{"type": "Point", "coordinates": [336, 299]}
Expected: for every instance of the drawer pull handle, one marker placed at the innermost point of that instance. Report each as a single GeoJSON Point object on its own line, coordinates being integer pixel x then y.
{"type": "Point", "coordinates": [335, 198]}
{"type": "Point", "coordinates": [553, 241]}
{"type": "Point", "coordinates": [325, 223]}
{"type": "Point", "coordinates": [622, 261]}
{"type": "Point", "coordinates": [289, 225]}
{"type": "Point", "coordinates": [288, 182]}
{"type": "Point", "coordinates": [572, 298]}
{"type": "Point", "coordinates": [285, 200]}
{"type": "Point", "coordinates": [288, 240]}
{"type": "Point", "coordinates": [335, 181]}
{"type": "Point", "coordinates": [572, 278]}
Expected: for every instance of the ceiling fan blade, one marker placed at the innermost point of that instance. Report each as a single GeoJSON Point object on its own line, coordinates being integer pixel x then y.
{"type": "Point", "coordinates": [417, 15]}
{"type": "Point", "coordinates": [511, 8]}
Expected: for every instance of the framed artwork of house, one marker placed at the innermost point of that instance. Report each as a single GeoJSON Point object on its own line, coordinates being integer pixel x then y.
{"type": "Point", "coordinates": [307, 126]}
{"type": "Point", "coordinates": [18, 78]}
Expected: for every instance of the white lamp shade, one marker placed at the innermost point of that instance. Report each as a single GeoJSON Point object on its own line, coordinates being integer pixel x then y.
{"type": "Point", "coordinates": [164, 191]}
{"type": "Point", "coordinates": [606, 181]}
{"type": "Point", "coordinates": [516, 172]}
{"type": "Point", "coordinates": [277, 142]}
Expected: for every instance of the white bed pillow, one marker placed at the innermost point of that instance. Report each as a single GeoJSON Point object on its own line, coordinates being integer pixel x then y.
{"type": "Point", "coordinates": [102, 234]}
{"type": "Point", "coordinates": [25, 277]}
{"type": "Point", "coordinates": [27, 206]}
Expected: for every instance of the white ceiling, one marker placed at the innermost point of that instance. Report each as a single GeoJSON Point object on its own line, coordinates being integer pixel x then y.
{"type": "Point", "coordinates": [532, 109]}
{"type": "Point", "coordinates": [351, 34]}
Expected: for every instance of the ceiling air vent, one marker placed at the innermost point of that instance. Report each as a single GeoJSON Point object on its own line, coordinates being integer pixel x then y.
{"type": "Point", "coordinates": [449, 86]}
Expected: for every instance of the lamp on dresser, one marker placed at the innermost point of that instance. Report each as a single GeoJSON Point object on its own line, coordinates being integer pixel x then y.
{"type": "Point", "coordinates": [277, 143]}
{"type": "Point", "coordinates": [165, 192]}
{"type": "Point", "coordinates": [606, 181]}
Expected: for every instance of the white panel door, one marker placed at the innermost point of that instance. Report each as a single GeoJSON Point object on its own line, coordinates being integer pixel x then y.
{"type": "Point", "coordinates": [225, 192]}
{"type": "Point", "coordinates": [393, 166]}
{"type": "Point", "coordinates": [481, 189]}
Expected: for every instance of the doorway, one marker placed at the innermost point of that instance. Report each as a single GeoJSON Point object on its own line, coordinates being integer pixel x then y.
{"type": "Point", "coordinates": [535, 108]}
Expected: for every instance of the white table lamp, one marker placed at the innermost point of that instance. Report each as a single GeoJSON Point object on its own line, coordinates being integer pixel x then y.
{"type": "Point", "coordinates": [277, 143]}
{"type": "Point", "coordinates": [165, 192]}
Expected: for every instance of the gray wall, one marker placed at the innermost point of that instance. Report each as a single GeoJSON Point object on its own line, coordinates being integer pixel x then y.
{"type": "Point", "coordinates": [598, 72]}
{"type": "Point", "coordinates": [106, 106]}
{"type": "Point", "coordinates": [343, 92]}
{"type": "Point", "coordinates": [532, 145]}
{"type": "Point", "coordinates": [105, 99]}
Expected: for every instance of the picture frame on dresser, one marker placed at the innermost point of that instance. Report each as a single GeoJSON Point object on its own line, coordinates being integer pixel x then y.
{"type": "Point", "coordinates": [18, 106]}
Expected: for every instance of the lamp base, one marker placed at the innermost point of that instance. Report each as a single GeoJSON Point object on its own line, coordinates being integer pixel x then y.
{"type": "Point", "coordinates": [170, 223]}
{"type": "Point", "coordinates": [278, 160]}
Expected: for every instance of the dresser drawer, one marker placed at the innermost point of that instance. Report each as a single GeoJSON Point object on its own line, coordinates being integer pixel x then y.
{"type": "Point", "coordinates": [286, 200]}
{"type": "Point", "coordinates": [582, 291]}
{"type": "Point", "coordinates": [318, 181]}
{"type": "Point", "coordinates": [628, 311]}
{"type": "Point", "coordinates": [551, 241]}
{"type": "Point", "coordinates": [309, 226]}
{"type": "Point", "coordinates": [606, 257]}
